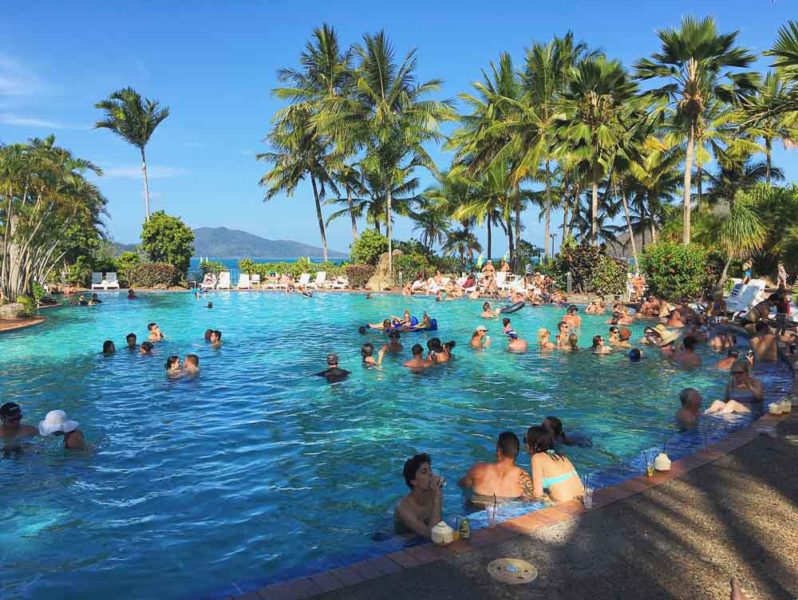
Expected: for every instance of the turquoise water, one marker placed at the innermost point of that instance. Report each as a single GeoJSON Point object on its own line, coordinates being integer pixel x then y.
{"type": "Point", "coordinates": [257, 469]}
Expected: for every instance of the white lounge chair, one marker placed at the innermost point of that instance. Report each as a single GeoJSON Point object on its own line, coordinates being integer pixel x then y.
{"type": "Point", "coordinates": [340, 283]}
{"type": "Point", "coordinates": [751, 294]}
{"type": "Point", "coordinates": [321, 280]}
{"type": "Point", "coordinates": [255, 280]}
{"type": "Point", "coordinates": [111, 281]}
{"type": "Point", "coordinates": [243, 282]}
{"type": "Point", "coordinates": [501, 280]}
{"type": "Point", "coordinates": [304, 280]}
{"type": "Point", "coordinates": [97, 282]}
{"type": "Point", "coordinates": [208, 282]}
{"type": "Point", "coordinates": [224, 281]}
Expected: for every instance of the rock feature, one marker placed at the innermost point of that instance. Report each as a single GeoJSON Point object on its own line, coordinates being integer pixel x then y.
{"type": "Point", "coordinates": [12, 310]}
{"type": "Point", "coordinates": [382, 279]}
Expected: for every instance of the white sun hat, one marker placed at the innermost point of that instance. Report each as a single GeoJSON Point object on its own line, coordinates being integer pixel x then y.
{"type": "Point", "coordinates": [56, 420]}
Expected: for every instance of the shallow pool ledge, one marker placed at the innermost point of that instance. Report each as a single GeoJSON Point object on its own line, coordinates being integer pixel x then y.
{"type": "Point", "coordinates": [16, 324]}
{"type": "Point", "coordinates": [328, 581]}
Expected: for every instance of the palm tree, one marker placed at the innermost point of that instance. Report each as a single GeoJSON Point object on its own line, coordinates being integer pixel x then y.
{"type": "Point", "coordinates": [693, 61]}
{"type": "Point", "coordinates": [598, 118]}
{"type": "Point", "coordinates": [432, 224]}
{"type": "Point", "coordinates": [774, 91]}
{"type": "Point", "coordinates": [462, 243]}
{"type": "Point", "coordinates": [389, 113]}
{"type": "Point", "coordinates": [134, 120]}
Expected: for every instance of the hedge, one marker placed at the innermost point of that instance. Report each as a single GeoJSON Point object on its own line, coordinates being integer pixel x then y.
{"type": "Point", "coordinates": [152, 275]}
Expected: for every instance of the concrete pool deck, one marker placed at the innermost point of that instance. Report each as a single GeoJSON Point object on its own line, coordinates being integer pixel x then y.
{"type": "Point", "coordinates": [727, 511]}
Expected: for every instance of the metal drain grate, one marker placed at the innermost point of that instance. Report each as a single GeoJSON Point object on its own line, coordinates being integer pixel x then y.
{"type": "Point", "coordinates": [512, 570]}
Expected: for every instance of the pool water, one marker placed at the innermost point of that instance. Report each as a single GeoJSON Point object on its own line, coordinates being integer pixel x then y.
{"type": "Point", "coordinates": [257, 469]}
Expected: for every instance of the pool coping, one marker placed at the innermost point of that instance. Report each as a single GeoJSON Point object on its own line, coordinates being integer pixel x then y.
{"type": "Point", "coordinates": [343, 577]}
{"type": "Point", "coordinates": [17, 324]}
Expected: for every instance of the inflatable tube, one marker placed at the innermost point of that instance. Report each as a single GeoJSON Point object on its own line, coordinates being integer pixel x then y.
{"type": "Point", "coordinates": [512, 308]}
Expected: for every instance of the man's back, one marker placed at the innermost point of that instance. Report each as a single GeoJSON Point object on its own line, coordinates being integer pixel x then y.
{"type": "Point", "coordinates": [764, 347]}
{"type": "Point", "coordinates": [501, 480]}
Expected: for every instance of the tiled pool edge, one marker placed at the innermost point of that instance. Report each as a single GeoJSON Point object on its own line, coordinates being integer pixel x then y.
{"type": "Point", "coordinates": [17, 324]}
{"type": "Point", "coordinates": [327, 581]}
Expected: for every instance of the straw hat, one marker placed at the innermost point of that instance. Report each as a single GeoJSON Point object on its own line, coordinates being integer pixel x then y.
{"type": "Point", "coordinates": [668, 338]}
{"type": "Point", "coordinates": [661, 330]}
{"type": "Point", "coordinates": [56, 420]}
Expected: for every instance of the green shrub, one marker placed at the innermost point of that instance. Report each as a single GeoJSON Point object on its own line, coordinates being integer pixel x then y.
{"type": "Point", "coordinates": [123, 263]}
{"type": "Point", "coordinates": [79, 272]}
{"type": "Point", "coordinates": [358, 275]}
{"type": "Point", "coordinates": [411, 246]}
{"type": "Point", "coordinates": [211, 266]}
{"type": "Point", "coordinates": [246, 265]}
{"type": "Point", "coordinates": [168, 239]}
{"type": "Point", "coordinates": [410, 265]}
{"type": "Point", "coordinates": [153, 275]}
{"type": "Point", "coordinates": [368, 248]}
{"type": "Point", "coordinates": [608, 276]}
{"type": "Point", "coordinates": [449, 265]}
{"type": "Point", "coordinates": [592, 270]}
{"type": "Point", "coordinates": [38, 293]}
{"type": "Point", "coordinates": [294, 269]}
{"type": "Point", "coordinates": [29, 303]}
{"type": "Point", "coordinates": [675, 271]}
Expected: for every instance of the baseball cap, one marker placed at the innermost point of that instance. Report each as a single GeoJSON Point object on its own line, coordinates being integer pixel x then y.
{"type": "Point", "coordinates": [481, 328]}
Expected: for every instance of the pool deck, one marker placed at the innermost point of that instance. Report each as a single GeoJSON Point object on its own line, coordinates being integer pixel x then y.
{"type": "Point", "coordinates": [730, 510]}
{"type": "Point", "coordinates": [15, 324]}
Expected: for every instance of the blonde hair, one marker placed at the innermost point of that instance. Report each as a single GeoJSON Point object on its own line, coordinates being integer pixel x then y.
{"type": "Point", "coordinates": [542, 334]}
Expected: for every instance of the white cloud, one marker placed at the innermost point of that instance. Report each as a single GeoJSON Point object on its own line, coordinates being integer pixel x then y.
{"type": "Point", "coordinates": [23, 121]}
{"type": "Point", "coordinates": [153, 172]}
{"type": "Point", "coordinates": [17, 79]}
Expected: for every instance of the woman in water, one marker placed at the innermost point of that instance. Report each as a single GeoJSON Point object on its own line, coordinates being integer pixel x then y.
{"type": "Point", "coordinates": [173, 366]}
{"type": "Point", "coordinates": [544, 339]}
{"type": "Point", "coordinates": [598, 346]}
{"type": "Point", "coordinates": [551, 470]}
{"type": "Point", "coordinates": [108, 348]}
{"type": "Point", "coordinates": [572, 343]}
{"type": "Point", "coordinates": [447, 349]}
{"type": "Point", "coordinates": [367, 352]}
{"type": "Point", "coordinates": [742, 387]}
{"type": "Point", "coordinates": [56, 422]}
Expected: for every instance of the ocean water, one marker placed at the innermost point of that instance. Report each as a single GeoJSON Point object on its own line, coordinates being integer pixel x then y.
{"type": "Point", "coordinates": [257, 469]}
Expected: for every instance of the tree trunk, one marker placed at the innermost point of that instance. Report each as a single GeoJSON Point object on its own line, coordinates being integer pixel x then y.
{"type": "Point", "coordinates": [725, 274]}
{"type": "Point", "coordinates": [631, 233]}
{"type": "Point", "coordinates": [517, 223]}
{"type": "Point", "coordinates": [489, 239]}
{"type": "Point", "coordinates": [510, 246]}
{"type": "Point", "coordinates": [594, 215]}
{"type": "Point", "coordinates": [388, 203]}
{"type": "Point", "coordinates": [688, 166]}
{"type": "Point", "coordinates": [699, 185]}
{"type": "Point", "coordinates": [319, 216]}
{"type": "Point", "coordinates": [351, 214]}
{"type": "Point", "coordinates": [146, 187]}
{"type": "Point", "coordinates": [547, 215]}
{"type": "Point", "coordinates": [768, 158]}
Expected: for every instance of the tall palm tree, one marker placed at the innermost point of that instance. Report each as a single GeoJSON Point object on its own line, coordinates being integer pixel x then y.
{"type": "Point", "coordinates": [693, 62]}
{"type": "Point", "coordinates": [134, 119]}
{"type": "Point", "coordinates": [598, 118]}
{"type": "Point", "coordinates": [462, 243]}
{"type": "Point", "coordinates": [432, 224]}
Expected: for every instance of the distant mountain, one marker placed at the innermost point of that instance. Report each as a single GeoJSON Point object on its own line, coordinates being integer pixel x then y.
{"type": "Point", "coordinates": [119, 248]}
{"type": "Point", "coordinates": [220, 242]}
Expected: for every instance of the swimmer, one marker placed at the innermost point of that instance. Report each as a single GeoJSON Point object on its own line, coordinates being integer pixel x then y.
{"type": "Point", "coordinates": [215, 338]}
{"type": "Point", "coordinates": [362, 330]}
{"type": "Point", "coordinates": [687, 356]}
{"type": "Point", "coordinates": [368, 295]}
{"type": "Point", "coordinates": [367, 353]}
{"type": "Point", "coordinates": [56, 422]}
{"type": "Point", "coordinates": [417, 363]}
{"type": "Point", "coordinates": [447, 349]}
{"type": "Point", "coordinates": [571, 344]}
{"type": "Point", "coordinates": [501, 479]}
{"type": "Point", "coordinates": [635, 355]}
{"type": "Point", "coordinates": [480, 338]}
{"type": "Point", "coordinates": [488, 312]}
{"type": "Point", "coordinates": [723, 341]}
{"type": "Point", "coordinates": [614, 336]}
{"type": "Point", "coordinates": [562, 335]}
{"type": "Point", "coordinates": [688, 413]}
{"type": "Point", "coordinates": [574, 320]}
{"type": "Point", "coordinates": [544, 340]}
{"type": "Point", "coordinates": [424, 324]}
{"type": "Point", "coordinates": [210, 304]}
{"type": "Point", "coordinates": [155, 333]}
{"type": "Point", "coordinates": [95, 299]}
{"type": "Point", "coordinates": [145, 348]}
{"type": "Point", "coordinates": [191, 365]}
{"type": "Point", "coordinates": [131, 295]}
{"type": "Point", "coordinates": [764, 343]}
{"type": "Point", "coordinates": [506, 327]}
{"type": "Point", "coordinates": [515, 343]}
{"type": "Point", "coordinates": [436, 354]}
{"type": "Point", "coordinates": [130, 338]}
{"type": "Point", "coordinates": [384, 326]}
{"type": "Point", "coordinates": [420, 510]}
{"type": "Point", "coordinates": [598, 346]}
{"type": "Point", "coordinates": [393, 346]}
{"type": "Point", "coordinates": [173, 366]}
{"type": "Point", "coordinates": [108, 348]}
{"type": "Point", "coordinates": [551, 470]}
{"type": "Point", "coordinates": [623, 338]}
{"type": "Point", "coordinates": [554, 426]}
{"type": "Point", "coordinates": [12, 428]}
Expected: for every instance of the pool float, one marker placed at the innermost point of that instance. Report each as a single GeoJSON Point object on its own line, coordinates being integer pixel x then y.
{"type": "Point", "coordinates": [513, 307]}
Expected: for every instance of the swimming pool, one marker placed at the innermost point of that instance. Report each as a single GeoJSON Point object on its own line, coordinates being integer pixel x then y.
{"type": "Point", "coordinates": [258, 470]}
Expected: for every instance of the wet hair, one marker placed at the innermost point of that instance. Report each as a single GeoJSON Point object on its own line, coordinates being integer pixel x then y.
{"type": "Point", "coordinates": [624, 334]}
{"type": "Point", "coordinates": [146, 346]}
{"type": "Point", "coordinates": [596, 340]}
{"type": "Point", "coordinates": [208, 333]}
{"type": "Point", "coordinates": [192, 359]}
{"type": "Point", "coordinates": [761, 326]}
{"type": "Point", "coordinates": [486, 306]}
{"type": "Point", "coordinates": [741, 363]}
{"type": "Point", "coordinates": [614, 329]}
{"type": "Point", "coordinates": [217, 333]}
{"type": "Point", "coordinates": [573, 341]}
{"type": "Point", "coordinates": [367, 349]}
{"type": "Point", "coordinates": [508, 444]}
{"type": "Point", "coordinates": [561, 324]}
{"type": "Point", "coordinates": [386, 324]}
{"type": "Point", "coordinates": [572, 309]}
{"type": "Point", "coordinates": [417, 350]}
{"type": "Point", "coordinates": [684, 395]}
{"type": "Point", "coordinates": [10, 409]}
{"type": "Point", "coordinates": [449, 346]}
{"type": "Point", "coordinates": [505, 321]}
{"type": "Point", "coordinates": [394, 335]}
{"type": "Point", "coordinates": [171, 361]}
{"type": "Point", "coordinates": [361, 330]}
{"type": "Point", "coordinates": [412, 465]}
{"type": "Point", "coordinates": [210, 304]}
{"type": "Point", "coordinates": [151, 326]}
{"type": "Point", "coordinates": [108, 347]}
{"type": "Point", "coordinates": [434, 345]}
{"type": "Point", "coordinates": [635, 355]}
{"type": "Point", "coordinates": [554, 425]}
{"type": "Point", "coordinates": [130, 336]}
{"type": "Point", "coordinates": [688, 342]}
{"type": "Point", "coordinates": [540, 439]}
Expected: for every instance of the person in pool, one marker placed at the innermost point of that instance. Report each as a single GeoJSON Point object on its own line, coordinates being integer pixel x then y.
{"type": "Point", "coordinates": [420, 510]}
{"type": "Point", "coordinates": [488, 312]}
{"type": "Point", "coordinates": [571, 344]}
{"type": "Point", "coordinates": [687, 357]}
{"type": "Point", "coordinates": [131, 295]}
{"type": "Point", "coordinates": [145, 348]}
{"type": "Point", "coordinates": [56, 422]}
{"type": "Point", "coordinates": [447, 350]}
{"type": "Point", "coordinates": [393, 346]}
{"type": "Point", "coordinates": [480, 338]}
{"type": "Point", "coordinates": [95, 299]}
{"type": "Point", "coordinates": [12, 429]}
{"type": "Point", "coordinates": [435, 354]}
{"type": "Point", "coordinates": [551, 470]}
{"type": "Point", "coordinates": [722, 340]}
{"type": "Point", "coordinates": [742, 387]}
{"type": "Point", "coordinates": [544, 340]}
{"type": "Point", "coordinates": [108, 347]}
{"type": "Point", "coordinates": [425, 323]}
{"type": "Point", "coordinates": [367, 353]}
{"type": "Point", "coordinates": [173, 366]}
{"type": "Point", "coordinates": [764, 343]}
{"type": "Point", "coordinates": [191, 365]}
{"type": "Point", "coordinates": [562, 335]}
{"type": "Point", "coordinates": [572, 318]}
{"type": "Point", "coordinates": [516, 344]}
{"type": "Point", "coordinates": [598, 346]}
{"type": "Point", "coordinates": [215, 338]}
{"type": "Point", "coordinates": [554, 426]}
{"type": "Point", "coordinates": [502, 480]}
{"type": "Point", "coordinates": [725, 364]}
{"type": "Point", "coordinates": [690, 409]}
{"type": "Point", "coordinates": [417, 363]}
{"type": "Point", "coordinates": [333, 373]}
{"type": "Point", "coordinates": [155, 333]}
{"type": "Point", "coordinates": [130, 338]}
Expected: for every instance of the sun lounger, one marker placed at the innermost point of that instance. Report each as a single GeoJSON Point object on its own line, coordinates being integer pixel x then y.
{"type": "Point", "coordinates": [243, 282]}
{"type": "Point", "coordinates": [750, 295]}
{"type": "Point", "coordinates": [321, 280]}
{"type": "Point", "coordinates": [208, 282]}
{"type": "Point", "coordinates": [501, 280]}
{"type": "Point", "coordinates": [255, 280]}
{"type": "Point", "coordinates": [111, 281]}
{"type": "Point", "coordinates": [304, 280]}
{"type": "Point", "coordinates": [224, 281]}
{"type": "Point", "coordinates": [97, 282]}
{"type": "Point", "coordinates": [340, 283]}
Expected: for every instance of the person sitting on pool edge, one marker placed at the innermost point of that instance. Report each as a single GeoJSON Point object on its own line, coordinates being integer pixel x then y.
{"type": "Point", "coordinates": [690, 410]}
{"type": "Point", "coordinates": [191, 365]}
{"type": "Point", "coordinates": [420, 510]}
{"type": "Point", "coordinates": [333, 373]}
{"type": "Point", "coordinates": [502, 480]}
{"type": "Point", "coordinates": [551, 470]}
{"type": "Point", "coordinates": [11, 427]}
{"type": "Point", "coordinates": [56, 422]}
{"type": "Point", "coordinates": [130, 338]}
{"type": "Point", "coordinates": [155, 333]}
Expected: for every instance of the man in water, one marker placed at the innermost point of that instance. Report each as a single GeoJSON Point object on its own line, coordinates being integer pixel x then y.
{"type": "Point", "coordinates": [687, 415]}
{"type": "Point", "coordinates": [763, 343]}
{"type": "Point", "coordinates": [488, 312]}
{"type": "Point", "coordinates": [417, 363]}
{"type": "Point", "coordinates": [574, 320]}
{"type": "Point", "coordinates": [687, 356]}
{"type": "Point", "coordinates": [191, 365]}
{"type": "Point", "coordinates": [155, 332]}
{"type": "Point", "coordinates": [333, 373]}
{"type": "Point", "coordinates": [130, 338]}
{"type": "Point", "coordinates": [420, 510]}
{"type": "Point", "coordinates": [393, 346]}
{"type": "Point", "coordinates": [502, 479]}
{"type": "Point", "coordinates": [516, 344]}
{"type": "Point", "coordinates": [12, 428]}
{"type": "Point", "coordinates": [215, 338]}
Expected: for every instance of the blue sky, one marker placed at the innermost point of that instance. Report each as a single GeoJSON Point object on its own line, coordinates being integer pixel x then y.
{"type": "Point", "coordinates": [214, 65]}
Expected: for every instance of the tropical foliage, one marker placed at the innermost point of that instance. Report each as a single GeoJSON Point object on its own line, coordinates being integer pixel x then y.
{"type": "Point", "coordinates": [167, 239]}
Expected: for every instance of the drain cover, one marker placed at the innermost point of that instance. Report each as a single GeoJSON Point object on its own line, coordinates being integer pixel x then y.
{"type": "Point", "coordinates": [512, 570]}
